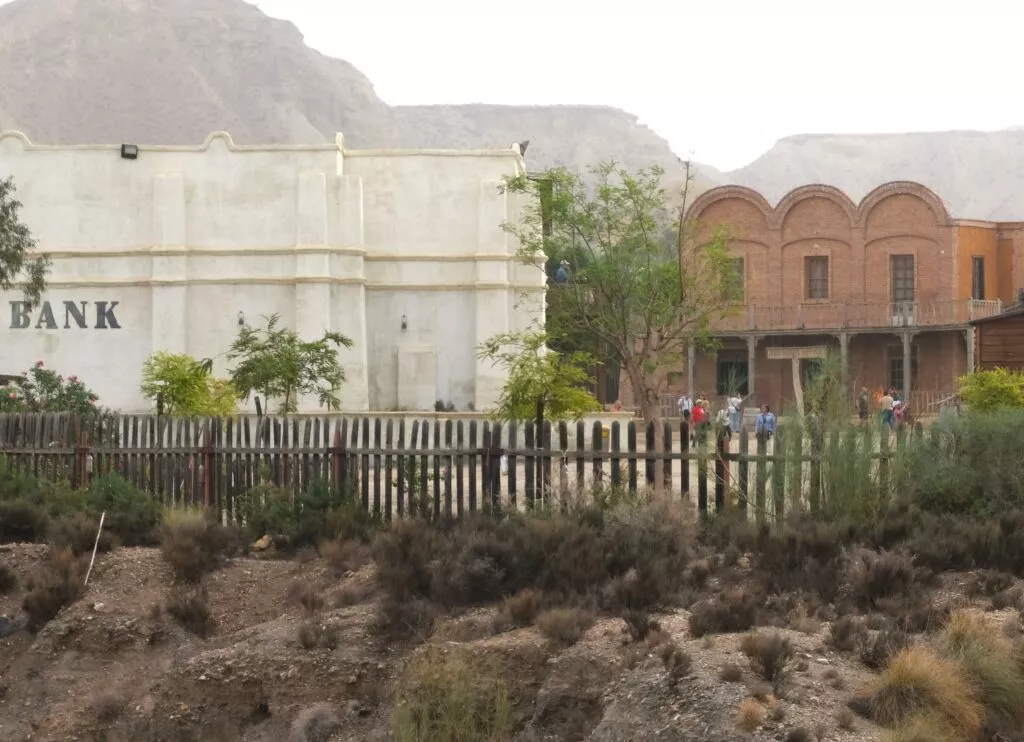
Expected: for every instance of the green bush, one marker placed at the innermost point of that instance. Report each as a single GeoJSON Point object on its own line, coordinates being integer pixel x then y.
{"type": "Point", "coordinates": [985, 391]}
{"type": "Point", "coordinates": [22, 522]}
{"type": "Point", "coordinates": [967, 464]}
{"type": "Point", "coordinates": [319, 514]}
{"type": "Point", "coordinates": [132, 515]}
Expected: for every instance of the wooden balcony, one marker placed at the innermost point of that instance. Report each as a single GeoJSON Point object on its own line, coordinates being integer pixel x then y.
{"type": "Point", "coordinates": [832, 316]}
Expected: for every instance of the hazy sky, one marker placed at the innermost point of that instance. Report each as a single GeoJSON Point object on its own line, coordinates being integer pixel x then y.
{"type": "Point", "coordinates": [720, 80]}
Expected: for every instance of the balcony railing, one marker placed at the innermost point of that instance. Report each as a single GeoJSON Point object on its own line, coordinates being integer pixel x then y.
{"type": "Point", "coordinates": [840, 315]}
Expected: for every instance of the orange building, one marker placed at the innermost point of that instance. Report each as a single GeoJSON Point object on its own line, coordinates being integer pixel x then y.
{"type": "Point", "coordinates": [890, 284]}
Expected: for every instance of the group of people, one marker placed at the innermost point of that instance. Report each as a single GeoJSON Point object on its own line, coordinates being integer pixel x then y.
{"type": "Point", "coordinates": [892, 410]}
{"type": "Point", "coordinates": [697, 414]}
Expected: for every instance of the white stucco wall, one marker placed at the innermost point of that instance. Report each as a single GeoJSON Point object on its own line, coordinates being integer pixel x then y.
{"type": "Point", "coordinates": [185, 239]}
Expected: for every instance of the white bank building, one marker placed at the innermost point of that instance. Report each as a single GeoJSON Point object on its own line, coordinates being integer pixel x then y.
{"type": "Point", "coordinates": [172, 248]}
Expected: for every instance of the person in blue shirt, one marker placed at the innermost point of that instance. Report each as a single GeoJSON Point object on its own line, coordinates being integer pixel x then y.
{"type": "Point", "coordinates": [562, 274]}
{"type": "Point", "coordinates": [765, 426]}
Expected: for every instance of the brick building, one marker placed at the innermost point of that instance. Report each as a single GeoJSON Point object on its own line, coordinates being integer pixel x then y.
{"type": "Point", "coordinates": [890, 284]}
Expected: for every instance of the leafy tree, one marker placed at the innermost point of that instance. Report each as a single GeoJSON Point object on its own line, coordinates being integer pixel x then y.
{"type": "Point", "coordinates": [44, 390]}
{"type": "Point", "coordinates": [541, 382]}
{"type": "Point", "coordinates": [985, 391]}
{"type": "Point", "coordinates": [19, 266]}
{"type": "Point", "coordinates": [643, 280]}
{"type": "Point", "coordinates": [277, 363]}
{"type": "Point", "coordinates": [187, 385]}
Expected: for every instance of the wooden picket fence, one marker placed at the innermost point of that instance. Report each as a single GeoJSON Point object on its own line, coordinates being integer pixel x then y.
{"type": "Point", "coordinates": [406, 466]}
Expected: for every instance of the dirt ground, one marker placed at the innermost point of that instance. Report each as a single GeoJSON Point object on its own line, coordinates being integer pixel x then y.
{"type": "Point", "coordinates": [109, 668]}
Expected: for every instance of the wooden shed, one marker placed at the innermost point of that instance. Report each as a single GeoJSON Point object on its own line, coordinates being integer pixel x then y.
{"type": "Point", "coordinates": [999, 340]}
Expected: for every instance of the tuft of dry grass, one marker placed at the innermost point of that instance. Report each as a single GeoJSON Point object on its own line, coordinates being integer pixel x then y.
{"type": "Point", "coordinates": [193, 544]}
{"type": "Point", "coordinates": [987, 659]}
{"type": "Point", "coordinates": [316, 723]}
{"type": "Point", "coordinates": [770, 656]}
{"type": "Point", "coordinates": [677, 661]}
{"type": "Point", "coordinates": [917, 681]}
{"type": "Point", "coordinates": [305, 595]}
{"type": "Point", "coordinates": [845, 633]}
{"type": "Point", "coordinates": [639, 624]}
{"type": "Point", "coordinates": [730, 673]}
{"type": "Point", "coordinates": [733, 611]}
{"type": "Point", "coordinates": [565, 626]}
{"type": "Point", "coordinates": [56, 585]}
{"type": "Point", "coordinates": [799, 734]}
{"type": "Point", "coordinates": [344, 556]}
{"type": "Point", "coordinates": [929, 727]}
{"type": "Point", "coordinates": [877, 649]}
{"type": "Point", "coordinates": [190, 608]}
{"type": "Point", "coordinates": [523, 607]}
{"type": "Point", "coordinates": [750, 715]}
{"type": "Point", "coordinates": [845, 719]}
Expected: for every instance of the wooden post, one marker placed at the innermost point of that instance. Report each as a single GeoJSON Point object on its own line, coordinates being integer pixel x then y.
{"type": "Point", "coordinates": [744, 470]}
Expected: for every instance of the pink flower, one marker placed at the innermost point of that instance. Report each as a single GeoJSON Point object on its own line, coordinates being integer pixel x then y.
{"type": "Point", "coordinates": [74, 379]}
{"type": "Point", "coordinates": [11, 396]}
{"type": "Point", "coordinates": [39, 364]}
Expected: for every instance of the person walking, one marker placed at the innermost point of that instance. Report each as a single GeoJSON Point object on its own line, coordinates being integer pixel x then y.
{"type": "Point", "coordinates": [862, 405]}
{"type": "Point", "coordinates": [764, 428]}
{"type": "Point", "coordinates": [735, 407]}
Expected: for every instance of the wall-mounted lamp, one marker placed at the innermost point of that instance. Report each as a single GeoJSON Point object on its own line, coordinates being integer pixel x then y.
{"type": "Point", "coordinates": [129, 152]}
{"type": "Point", "coordinates": [405, 323]}
{"type": "Point", "coordinates": [241, 319]}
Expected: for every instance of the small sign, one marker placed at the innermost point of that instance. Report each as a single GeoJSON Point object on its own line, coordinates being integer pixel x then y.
{"type": "Point", "coordinates": [788, 354]}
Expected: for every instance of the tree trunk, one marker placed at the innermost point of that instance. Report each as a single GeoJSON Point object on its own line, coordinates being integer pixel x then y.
{"type": "Point", "coordinates": [650, 409]}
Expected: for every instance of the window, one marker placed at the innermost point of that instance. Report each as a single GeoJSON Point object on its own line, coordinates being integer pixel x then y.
{"type": "Point", "coordinates": [816, 272]}
{"type": "Point", "coordinates": [978, 278]}
{"type": "Point", "coordinates": [896, 370]}
{"type": "Point", "coordinates": [736, 280]}
{"type": "Point", "coordinates": [732, 378]}
{"type": "Point", "coordinates": [902, 268]}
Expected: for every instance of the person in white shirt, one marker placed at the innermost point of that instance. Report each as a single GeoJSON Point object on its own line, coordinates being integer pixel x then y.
{"type": "Point", "coordinates": [685, 406]}
{"type": "Point", "coordinates": [735, 404]}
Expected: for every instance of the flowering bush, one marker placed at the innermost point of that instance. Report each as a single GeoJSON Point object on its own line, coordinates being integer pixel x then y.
{"type": "Point", "coordinates": [44, 390]}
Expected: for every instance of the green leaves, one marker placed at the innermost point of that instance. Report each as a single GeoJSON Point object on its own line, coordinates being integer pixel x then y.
{"type": "Point", "coordinates": [536, 374]}
{"type": "Point", "coordinates": [643, 282]}
{"type": "Point", "coordinates": [18, 265]}
{"type": "Point", "coordinates": [985, 391]}
{"type": "Point", "coordinates": [278, 364]}
{"type": "Point", "coordinates": [187, 386]}
{"type": "Point", "coordinates": [44, 390]}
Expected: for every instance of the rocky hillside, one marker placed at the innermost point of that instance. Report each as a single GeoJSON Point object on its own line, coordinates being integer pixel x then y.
{"type": "Point", "coordinates": [978, 174]}
{"type": "Point", "coordinates": [150, 71]}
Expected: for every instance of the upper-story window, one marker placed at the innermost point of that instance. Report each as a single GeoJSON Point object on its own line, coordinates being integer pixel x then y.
{"type": "Point", "coordinates": [902, 269]}
{"type": "Point", "coordinates": [816, 276]}
{"type": "Point", "coordinates": [978, 278]}
{"type": "Point", "coordinates": [735, 280]}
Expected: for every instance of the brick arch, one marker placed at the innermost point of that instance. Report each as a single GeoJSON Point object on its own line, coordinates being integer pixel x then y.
{"type": "Point", "coordinates": [815, 190]}
{"type": "Point", "coordinates": [724, 193]}
{"type": "Point", "coordinates": [903, 187]}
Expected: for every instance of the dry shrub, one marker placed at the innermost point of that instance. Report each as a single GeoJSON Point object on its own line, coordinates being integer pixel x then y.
{"type": "Point", "coordinates": [878, 648]}
{"type": "Point", "coordinates": [778, 711]}
{"type": "Point", "coordinates": [770, 656]}
{"type": "Point", "coordinates": [316, 723]}
{"type": "Point", "coordinates": [305, 595]}
{"type": "Point", "coordinates": [750, 715]}
{"type": "Point", "coordinates": [58, 584]}
{"type": "Point", "coordinates": [989, 582]}
{"type": "Point", "coordinates": [312, 634]}
{"type": "Point", "coordinates": [988, 660]}
{"type": "Point", "coordinates": [639, 624]}
{"type": "Point", "coordinates": [846, 633]}
{"type": "Point", "coordinates": [730, 673]}
{"type": "Point", "coordinates": [8, 580]}
{"type": "Point", "coordinates": [799, 734]}
{"type": "Point", "coordinates": [77, 531]}
{"type": "Point", "coordinates": [523, 607]}
{"type": "Point", "coordinates": [928, 727]}
{"type": "Point", "coordinates": [189, 606]}
{"type": "Point", "coordinates": [344, 556]}
{"type": "Point", "coordinates": [698, 573]}
{"type": "Point", "coordinates": [565, 626]}
{"type": "Point", "coordinates": [446, 696]}
{"type": "Point", "coordinates": [1011, 598]}
{"type": "Point", "coordinates": [919, 681]}
{"type": "Point", "coordinates": [193, 544]}
{"type": "Point", "coordinates": [845, 719]}
{"type": "Point", "coordinates": [874, 576]}
{"type": "Point", "coordinates": [731, 612]}
{"type": "Point", "coordinates": [678, 662]}
{"type": "Point", "coordinates": [410, 619]}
